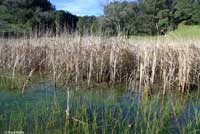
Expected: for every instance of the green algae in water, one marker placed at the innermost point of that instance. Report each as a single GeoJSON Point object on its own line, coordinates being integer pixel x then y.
{"type": "Point", "coordinates": [42, 109]}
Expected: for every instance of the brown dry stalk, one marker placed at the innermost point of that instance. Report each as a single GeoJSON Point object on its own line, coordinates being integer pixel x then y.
{"type": "Point", "coordinates": [171, 64]}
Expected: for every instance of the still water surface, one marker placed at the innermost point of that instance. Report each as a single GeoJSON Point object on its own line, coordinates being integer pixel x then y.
{"type": "Point", "coordinates": [42, 109]}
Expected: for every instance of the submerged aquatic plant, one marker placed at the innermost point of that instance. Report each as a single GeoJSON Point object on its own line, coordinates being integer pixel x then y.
{"type": "Point", "coordinates": [92, 111]}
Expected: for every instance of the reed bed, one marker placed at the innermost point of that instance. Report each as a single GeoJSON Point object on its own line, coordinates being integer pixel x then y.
{"type": "Point", "coordinates": [144, 65]}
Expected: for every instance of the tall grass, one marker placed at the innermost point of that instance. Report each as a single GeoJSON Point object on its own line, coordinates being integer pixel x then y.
{"type": "Point", "coordinates": [142, 64]}
{"type": "Point", "coordinates": [90, 112]}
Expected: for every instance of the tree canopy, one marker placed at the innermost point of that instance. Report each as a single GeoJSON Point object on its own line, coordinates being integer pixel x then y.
{"type": "Point", "coordinates": [29, 15]}
{"type": "Point", "coordinates": [147, 17]}
{"type": "Point", "coordinates": [139, 17]}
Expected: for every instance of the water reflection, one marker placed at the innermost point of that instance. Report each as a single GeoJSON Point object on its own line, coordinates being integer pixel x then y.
{"type": "Point", "coordinates": [45, 98]}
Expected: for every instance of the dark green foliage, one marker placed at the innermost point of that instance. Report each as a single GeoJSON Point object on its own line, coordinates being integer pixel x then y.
{"type": "Point", "coordinates": [183, 11]}
{"type": "Point", "coordinates": [37, 15]}
{"type": "Point", "coordinates": [145, 24]}
{"type": "Point", "coordinates": [141, 17]}
{"type": "Point", "coordinates": [121, 16]}
{"type": "Point", "coordinates": [144, 17]}
{"type": "Point", "coordinates": [196, 13]}
{"type": "Point", "coordinates": [87, 25]}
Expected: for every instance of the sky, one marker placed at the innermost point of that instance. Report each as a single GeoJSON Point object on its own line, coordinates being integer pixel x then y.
{"type": "Point", "coordinates": [80, 7]}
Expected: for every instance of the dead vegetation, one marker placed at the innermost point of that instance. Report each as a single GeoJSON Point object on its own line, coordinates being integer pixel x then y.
{"type": "Point", "coordinates": [142, 64]}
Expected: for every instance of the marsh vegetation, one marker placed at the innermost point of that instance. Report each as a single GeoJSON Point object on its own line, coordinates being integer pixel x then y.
{"type": "Point", "coordinates": [139, 64]}
{"type": "Point", "coordinates": [76, 84]}
{"type": "Point", "coordinates": [62, 73]}
{"type": "Point", "coordinates": [43, 109]}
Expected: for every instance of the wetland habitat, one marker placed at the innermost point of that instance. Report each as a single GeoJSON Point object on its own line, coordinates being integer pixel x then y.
{"type": "Point", "coordinates": [72, 84]}
{"type": "Point", "coordinates": [99, 66]}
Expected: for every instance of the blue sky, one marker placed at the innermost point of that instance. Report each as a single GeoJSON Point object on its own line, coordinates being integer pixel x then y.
{"type": "Point", "coordinates": [80, 7]}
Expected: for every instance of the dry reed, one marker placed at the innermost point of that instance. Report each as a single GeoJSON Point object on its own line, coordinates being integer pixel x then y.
{"type": "Point", "coordinates": [143, 64]}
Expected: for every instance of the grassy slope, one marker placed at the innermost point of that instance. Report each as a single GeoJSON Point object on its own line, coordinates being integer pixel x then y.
{"type": "Point", "coordinates": [185, 31]}
{"type": "Point", "coordinates": [182, 32]}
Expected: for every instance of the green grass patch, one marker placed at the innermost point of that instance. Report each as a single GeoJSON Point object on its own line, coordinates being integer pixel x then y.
{"type": "Point", "coordinates": [182, 32]}
{"type": "Point", "coordinates": [185, 31]}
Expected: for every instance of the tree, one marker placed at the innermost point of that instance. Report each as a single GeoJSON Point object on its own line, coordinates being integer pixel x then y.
{"type": "Point", "coordinates": [87, 25]}
{"type": "Point", "coordinates": [145, 24]}
{"type": "Point", "coordinates": [161, 14]}
{"type": "Point", "coordinates": [196, 12]}
{"type": "Point", "coordinates": [64, 21]}
{"type": "Point", "coordinates": [121, 16]}
{"type": "Point", "coordinates": [59, 21]}
{"type": "Point", "coordinates": [183, 11]}
{"type": "Point", "coordinates": [37, 15]}
{"type": "Point", "coordinates": [165, 16]}
{"type": "Point", "coordinates": [147, 19]}
{"type": "Point", "coordinates": [45, 5]}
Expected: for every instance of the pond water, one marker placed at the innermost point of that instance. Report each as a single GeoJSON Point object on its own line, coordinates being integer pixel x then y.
{"type": "Point", "coordinates": [42, 109]}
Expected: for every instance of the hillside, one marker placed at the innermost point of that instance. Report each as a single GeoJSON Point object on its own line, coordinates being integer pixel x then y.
{"type": "Point", "coordinates": [29, 15]}
{"type": "Point", "coordinates": [185, 31]}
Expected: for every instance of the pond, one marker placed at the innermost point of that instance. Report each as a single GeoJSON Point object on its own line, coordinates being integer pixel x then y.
{"type": "Point", "coordinates": [42, 109]}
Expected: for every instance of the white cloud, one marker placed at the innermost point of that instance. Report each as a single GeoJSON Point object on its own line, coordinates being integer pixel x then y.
{"type": "Point", "coordinates": [81, 7]}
